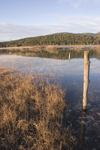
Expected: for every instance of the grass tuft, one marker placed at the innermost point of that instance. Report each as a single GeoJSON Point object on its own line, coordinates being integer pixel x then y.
{"type": "Point", "coordinates": [31, 114]}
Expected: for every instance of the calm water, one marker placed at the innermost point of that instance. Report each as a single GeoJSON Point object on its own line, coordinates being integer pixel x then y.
{"type": "Point", "coordinates": [86, 125]}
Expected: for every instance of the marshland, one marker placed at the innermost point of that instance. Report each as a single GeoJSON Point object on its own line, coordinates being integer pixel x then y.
{"type": "Point", "coordinates": [41, 97]}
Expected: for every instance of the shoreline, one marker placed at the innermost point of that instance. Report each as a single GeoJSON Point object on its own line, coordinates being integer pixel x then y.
{"type": "Point", "coordinates": [51, 46]}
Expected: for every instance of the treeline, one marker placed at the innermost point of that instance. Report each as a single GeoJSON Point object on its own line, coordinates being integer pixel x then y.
{"type": "Point", "coordinates": [54, 39]}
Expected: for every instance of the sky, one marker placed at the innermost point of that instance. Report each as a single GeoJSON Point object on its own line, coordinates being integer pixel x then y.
{"type": "Point", "coordinates": [30, 18]}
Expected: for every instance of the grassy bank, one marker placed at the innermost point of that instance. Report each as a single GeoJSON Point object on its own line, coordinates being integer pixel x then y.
{"type": "Point", "coordinates": [51, 47]}
{"type": "Point", "coordinates": [31, 114]}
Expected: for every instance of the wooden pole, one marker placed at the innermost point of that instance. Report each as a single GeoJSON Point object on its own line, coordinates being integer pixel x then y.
{"type": "Point", "coordinates": [86, 78]}
{"type": "Point", "coordinates": [69, 56]}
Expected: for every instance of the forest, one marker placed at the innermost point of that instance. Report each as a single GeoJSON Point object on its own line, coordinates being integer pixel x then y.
{"type": "Point", "coordinates": [54, 39]}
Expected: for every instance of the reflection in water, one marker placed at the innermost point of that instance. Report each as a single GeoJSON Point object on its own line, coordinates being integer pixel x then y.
{"type": "Point", "coordinates": [70, 77]}
{"type": "Point", "coordinates": [69, 59]}
{"type": "Point", "coordinates": [86, 78]}
{"type": "Point", "coordinates": [69, 62]}
{"type": "Point", "coordinates": [56, 54]}
{"type": "Point", "coordinates": [82, 130]}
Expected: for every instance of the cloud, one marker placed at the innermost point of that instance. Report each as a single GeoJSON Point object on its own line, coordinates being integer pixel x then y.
{"type": "Point", "coordinates": [73, 3]}
{"type": "Point", "coordinates": [12, 32]}
{"type": "Point", "coordinates": [73, 24]}
{"type": "Point", "coordinates": [80, 20]}
{"type": "Point", "coordinates": [78, 3]}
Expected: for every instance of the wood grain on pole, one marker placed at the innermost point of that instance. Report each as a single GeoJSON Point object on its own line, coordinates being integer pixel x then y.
{"type": "Point", "coordinates": [86, 78]}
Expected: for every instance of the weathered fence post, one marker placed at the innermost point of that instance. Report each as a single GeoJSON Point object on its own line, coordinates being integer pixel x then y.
{"type": "Point", "coordinates": [86, 78]}
{"type": "Point", "coordinates": [69, 56]}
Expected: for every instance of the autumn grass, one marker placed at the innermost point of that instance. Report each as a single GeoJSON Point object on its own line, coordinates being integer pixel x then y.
{"type": "Point", "coordinates": [31, 114]}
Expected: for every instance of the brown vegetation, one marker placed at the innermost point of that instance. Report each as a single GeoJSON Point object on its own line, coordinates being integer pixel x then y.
{"type": "Point", "coordinates": [31, 114]}
{"type": "Point", "coordinates": [49, 47]}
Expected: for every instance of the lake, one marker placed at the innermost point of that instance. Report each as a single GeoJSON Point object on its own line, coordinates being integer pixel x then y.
{"type": "Point", "coordinates": [70, 75]}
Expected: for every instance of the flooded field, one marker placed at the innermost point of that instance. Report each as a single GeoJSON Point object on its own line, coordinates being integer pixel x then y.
{"type": "Point", "coordinates": [69, 74]}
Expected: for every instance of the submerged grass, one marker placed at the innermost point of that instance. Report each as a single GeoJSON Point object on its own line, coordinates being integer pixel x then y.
{"type": "Point", "coordinates": [31, 114]}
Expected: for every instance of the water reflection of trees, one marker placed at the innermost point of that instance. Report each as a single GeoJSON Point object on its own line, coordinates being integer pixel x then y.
{"type": "Point", "coordinates": [56, 54]}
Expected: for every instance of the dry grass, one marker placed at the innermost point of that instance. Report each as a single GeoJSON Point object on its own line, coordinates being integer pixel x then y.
{"type": "Point", "coordinates": [31, 114]}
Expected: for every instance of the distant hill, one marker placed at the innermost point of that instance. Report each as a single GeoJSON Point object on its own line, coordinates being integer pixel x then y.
{"type": "Point", "coordinates": [56, 39]}
{"type": "Point", "coordinates": [92, 34]}
{"type": "Point", "coordinates": [98, 34]}
{"type": "Point", "coordinates": [64, 33]}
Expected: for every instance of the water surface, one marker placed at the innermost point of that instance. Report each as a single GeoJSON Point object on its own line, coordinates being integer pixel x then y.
{"type": "Point", "coordinates": [69, 74]}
